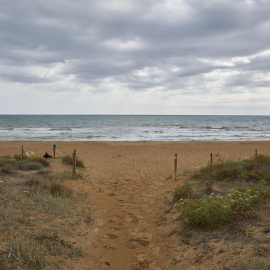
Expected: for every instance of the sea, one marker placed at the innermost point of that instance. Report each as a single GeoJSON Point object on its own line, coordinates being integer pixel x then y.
{"type": "Point", "coordinates": [134, 128]}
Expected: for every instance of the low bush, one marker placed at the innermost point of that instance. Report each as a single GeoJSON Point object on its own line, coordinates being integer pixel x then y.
{"type": "Point", "coordinates": [17, 157]}
{"type": "Point", "coordinates": [215, 210]}
{"type": "Point", "coordinates": [40, 160]}
{"type": "Point", "coordinates": [208, 211]}
{"type": "Point", "coordinates": [30, 165]}
{"type": "Point", "coordinates": [183, 191]}
{"type": "Point", "coordinates": [57, 189]}
{"type": "Point", "coordinates": [68, 160]}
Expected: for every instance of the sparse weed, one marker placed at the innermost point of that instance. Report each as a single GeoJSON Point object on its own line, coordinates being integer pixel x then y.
{"type": "Point", "coordinates": [54, 187]}
{"type": "Point", "coordinates": [251, 263]}
{"type": "Point", "coordinates": [58, 205]}
{"type": "Point", "coordinates": [31, 253]}
{"type": "Point", "coordinates": [64, 175]}
{"type": "Point", "coordinates": [55, 245]}
{"type": "Point", "coordinates": [9, 215]}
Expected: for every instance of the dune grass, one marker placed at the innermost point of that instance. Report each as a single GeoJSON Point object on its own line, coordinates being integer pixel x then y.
{"type": "Point", "coordinates": [68, 161]}
{"type": "Point", "coordinates": [37, 211]}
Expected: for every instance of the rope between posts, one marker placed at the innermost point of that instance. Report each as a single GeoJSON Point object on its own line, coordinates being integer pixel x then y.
{"type": "Point", "coordinates": [41, 152]}
{"type": "Point", "coordinates": [250, 155]}
{"type": "Point", "coordinates": [28, 150]}
{"type": "Point", "coordinates": [60, 152]}
{"type": "Point", "coordinates": [197, 167]}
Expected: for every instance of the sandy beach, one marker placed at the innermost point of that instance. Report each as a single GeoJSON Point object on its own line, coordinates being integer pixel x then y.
{"type": "Point", "coordinates": [127, 184]}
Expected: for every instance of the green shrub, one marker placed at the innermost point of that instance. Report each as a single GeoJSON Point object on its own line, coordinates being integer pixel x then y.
{"type": "Point", "coordinates": [215, 210]}
{"type": "Point", "coordinates": [2, 164]}
{"type": "Point", "coordinates": [183, 191]}
{"type": "Point", "coordinates": [40, 160]}
{"type": "Point", "coordinates": [17, 157]}
{"type": "Point", "coordinates": [208, 211]}
{"type": "Point", "coordinates": [68, 160]}
{"type": "Point", "coordinates": [27, 166]}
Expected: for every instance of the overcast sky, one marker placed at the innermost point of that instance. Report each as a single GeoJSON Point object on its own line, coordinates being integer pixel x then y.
{"type": "Point", "coordinates": [135, 57]}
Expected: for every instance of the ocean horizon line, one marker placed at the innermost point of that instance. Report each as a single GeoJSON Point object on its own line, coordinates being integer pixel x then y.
{"type": "Point", "coordinates": [30, 114]}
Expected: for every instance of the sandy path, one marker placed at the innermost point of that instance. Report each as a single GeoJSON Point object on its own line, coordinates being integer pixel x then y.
{"type": "Point", "coordinates": [127, 182]}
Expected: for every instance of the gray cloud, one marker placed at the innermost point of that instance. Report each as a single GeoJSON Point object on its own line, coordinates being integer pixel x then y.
{"type": "Point", "coordinates": [185, 46]}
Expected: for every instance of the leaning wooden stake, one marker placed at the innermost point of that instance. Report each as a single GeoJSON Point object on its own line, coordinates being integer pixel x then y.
{"type": "Point", "coordinates": [211, 159]}
{"type": "Point", "coordinates": [74, 162]}
{"type": "Point", "coordinates": [22, 153]}
{"type": "Point", "coordinates": [175, 166]}
{"type": "Point", "coordinates": [256, 153]}
{"type": "Point", "coordinates": [54, 148]}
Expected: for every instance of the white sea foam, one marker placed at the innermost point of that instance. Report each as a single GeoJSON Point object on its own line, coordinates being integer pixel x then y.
{"type": "Point", "coordinates": [133, 128]}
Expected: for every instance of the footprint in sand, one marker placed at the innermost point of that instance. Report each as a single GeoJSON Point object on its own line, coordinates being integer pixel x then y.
{"type": "Point", "coordinates": [132, 218]}
{"type": "Point", "coordinates": [137, 242]}
{"type": "Point", "coordinates": [143, 260]}
{"type": "Point", "coordinates": [109, 247]}
{"type": "Point", "coordinates": [110, 236]}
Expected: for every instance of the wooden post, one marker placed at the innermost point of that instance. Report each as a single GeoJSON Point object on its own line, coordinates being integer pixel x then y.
{"type": "Point", "coordinates": [54, 148]}
{"type": "Point", "coordinates": [256, 154]}
{"type": "Point", "coordinates": [22, 153]}
{"type": "Point", "coordinates": [74, 162]}
{"type": "Point", "coordinates": [175, 166]}
{"type": "Point", "coordinates": [211, 159]}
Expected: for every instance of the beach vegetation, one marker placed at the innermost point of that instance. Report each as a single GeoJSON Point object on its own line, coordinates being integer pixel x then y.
{"type": "Point", "coordinates": [245, 170]}
{"type": "Point", "coordinates": [29, 252]}
{"type": "Point", "coordinates": [183, 191]}
{"type": "Point", "coordinates": [251, 186]}
{"type": "Point", "coordinates": [38, 212]}
{"type": "Point", "coordinates": [9, 165]}
{"type": "Point", "coordinates": [68, 160]}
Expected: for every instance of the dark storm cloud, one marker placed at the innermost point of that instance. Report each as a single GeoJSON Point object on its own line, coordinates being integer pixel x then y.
{"type": "Point", "coordinates": [94, 40]}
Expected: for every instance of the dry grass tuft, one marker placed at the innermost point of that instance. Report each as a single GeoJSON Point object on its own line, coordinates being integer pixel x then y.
{"type": "Point", "coordinates": [29, 201]}
{"type": "Point", "coordinates": [68, 160]}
